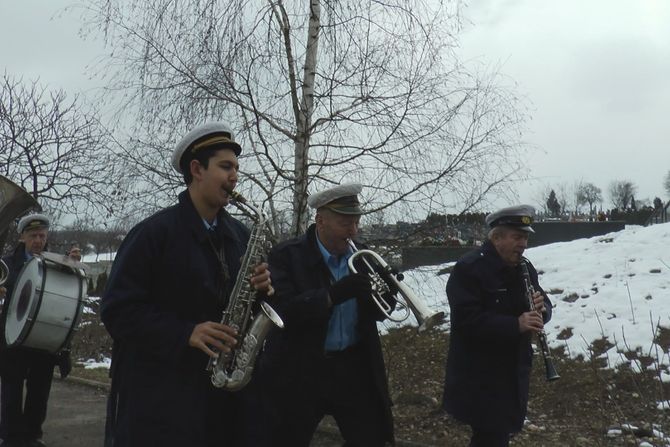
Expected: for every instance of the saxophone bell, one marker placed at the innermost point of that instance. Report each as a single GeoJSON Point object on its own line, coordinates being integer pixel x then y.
{"type": "Point", "coordinates": [385, 280]}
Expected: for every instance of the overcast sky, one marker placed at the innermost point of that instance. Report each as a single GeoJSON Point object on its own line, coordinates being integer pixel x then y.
{"type": "Point", "coordinates": [596, 75]}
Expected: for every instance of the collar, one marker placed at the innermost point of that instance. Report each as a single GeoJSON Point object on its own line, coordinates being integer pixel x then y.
{"type": "Point", "coordinates": [491, 254]}
{"type": "Point", "coordinates": [328, 256]}
{"type": "Point", "coordinates": [195, 221]}
{"type": "Point", "coordinates": [213, 224]}
{"type": "Point", "coordinates": [314, 256]}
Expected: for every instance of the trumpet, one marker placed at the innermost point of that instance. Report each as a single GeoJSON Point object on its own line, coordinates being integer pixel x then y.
{"type": "Point", "coordinates": [384, 280]}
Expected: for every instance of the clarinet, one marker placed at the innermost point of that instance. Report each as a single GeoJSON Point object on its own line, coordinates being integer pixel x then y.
{"type": "Point", "coordinates": [552, 374]}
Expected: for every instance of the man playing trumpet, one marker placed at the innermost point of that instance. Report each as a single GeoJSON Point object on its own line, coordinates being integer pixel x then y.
{"type": "Point", "coordinates": [490, 354]}
{"type": "Point", "coordinates": [328, 359]}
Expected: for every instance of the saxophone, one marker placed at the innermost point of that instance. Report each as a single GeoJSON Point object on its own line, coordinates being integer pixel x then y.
{"type": "Point", "coordinates": [232, 370]}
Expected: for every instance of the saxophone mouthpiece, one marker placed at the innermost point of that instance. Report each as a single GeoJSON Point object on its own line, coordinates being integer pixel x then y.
{"type": "Point", "coordinates": [236, 196]}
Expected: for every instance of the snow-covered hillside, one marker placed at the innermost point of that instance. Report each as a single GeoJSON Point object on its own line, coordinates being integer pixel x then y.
{"type": "Point", "coordinates": [615, 286]}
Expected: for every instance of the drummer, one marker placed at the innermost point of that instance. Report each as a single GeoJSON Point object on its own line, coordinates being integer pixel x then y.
{"type": "Point", "coordinates": [21, 422]}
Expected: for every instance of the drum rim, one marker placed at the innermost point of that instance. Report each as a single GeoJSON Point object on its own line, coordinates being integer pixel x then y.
{"type": "Point", "coordinates": [34, 308]}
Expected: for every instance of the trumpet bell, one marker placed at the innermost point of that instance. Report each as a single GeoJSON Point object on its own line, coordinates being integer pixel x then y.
{"type": "Point", "coordinates": [406, 299]}
{"type": "Point", "coordinates": [424, 316]}
{"type": "Point", "coordinates": [432, 320]}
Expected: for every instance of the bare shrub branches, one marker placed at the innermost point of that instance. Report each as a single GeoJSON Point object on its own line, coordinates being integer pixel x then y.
{"type": "Point", "coordinates": [54, 148]}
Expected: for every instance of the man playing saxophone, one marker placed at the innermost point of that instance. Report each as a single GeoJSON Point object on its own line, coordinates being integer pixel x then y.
{"type": "Point", "coordinates": [166, 292]}
{"type": "Point", "coordinates": [327, 359]}
{"type": "Point", "coordinates": [490, 354]}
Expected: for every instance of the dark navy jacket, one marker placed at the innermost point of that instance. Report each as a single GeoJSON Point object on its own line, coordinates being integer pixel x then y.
{"type": "Point", "coordinates": [489, 361]}
{"type": "Point", "coordinates": [163, 282]}
{"type": "Point", "coordinates": [301, 279]}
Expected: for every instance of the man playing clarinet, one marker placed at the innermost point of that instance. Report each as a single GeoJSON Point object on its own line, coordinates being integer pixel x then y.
{"type": "Point", "coordinates": [490, 353]}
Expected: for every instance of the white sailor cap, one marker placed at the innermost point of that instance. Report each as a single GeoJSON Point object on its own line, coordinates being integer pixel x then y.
{"type": "Point", "coordinates": [519, 217]}
{"type": "Point", "coordinates": [341, 199]}
{"type": "Point", "coordinates": [214, 134]}
{"type": "Point", "coordinates": [32, 222]}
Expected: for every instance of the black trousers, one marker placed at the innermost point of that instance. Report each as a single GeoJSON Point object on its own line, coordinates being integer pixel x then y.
{"type": "Point", "coordinates": [343, 388]}
{"type": "Point", "coordinates": [19, 419]}
{"type": "Point", "coordinates": [487, 438]}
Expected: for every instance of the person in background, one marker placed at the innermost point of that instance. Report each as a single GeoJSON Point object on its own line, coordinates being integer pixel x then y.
{"type": "Point", "coordinates": [490, 353]}
{"type": "Point", "coordinates": [21, 419]}
{"type": "Point", "coordinates": [169, 285]}
{"type": "Point", "coordinates": [74, 252]}
{"type": "Point", "coordinates": [328, 358]}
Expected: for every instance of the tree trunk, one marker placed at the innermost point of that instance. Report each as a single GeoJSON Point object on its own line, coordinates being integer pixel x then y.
{"type": "Point", "coordinates": [304, 122]}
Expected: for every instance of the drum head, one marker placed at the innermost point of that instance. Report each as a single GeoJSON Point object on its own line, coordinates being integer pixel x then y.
{"type": "Point", "coordinates": [46, 304]}
{"type": "Point", "coordinates": [24, 301]}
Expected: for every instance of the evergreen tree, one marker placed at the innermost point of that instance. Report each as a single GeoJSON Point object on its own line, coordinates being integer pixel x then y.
{"type": "Point", "coordinates": [553, 205]}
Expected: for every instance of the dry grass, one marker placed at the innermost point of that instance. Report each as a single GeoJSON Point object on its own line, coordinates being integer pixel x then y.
{"type": "Point", "coordinates": [576, 410]}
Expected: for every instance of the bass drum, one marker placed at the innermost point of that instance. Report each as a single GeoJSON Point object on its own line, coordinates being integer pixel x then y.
{"type": "Point", "coordinates": [46, 303]}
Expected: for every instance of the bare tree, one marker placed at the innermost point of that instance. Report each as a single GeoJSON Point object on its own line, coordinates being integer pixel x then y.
{"type": "Point", "coordinates": [666, 183]}
{"type": "Point", "coordinates": [319, 92]}
{"type": "Point", "coordinates": [540, 196]}
{"type": "Point", "coordinates": [621, 192]}
{"type": "Point", "coordinates": [589, 194]}
{"type": "Point", "coordinates": [54, 149]}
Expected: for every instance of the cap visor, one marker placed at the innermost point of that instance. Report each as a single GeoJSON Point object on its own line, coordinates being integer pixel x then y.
{"type": "Point", "coordinates": [346, 210]}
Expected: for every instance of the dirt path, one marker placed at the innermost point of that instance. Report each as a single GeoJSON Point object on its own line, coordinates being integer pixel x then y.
{"type": "Point", "coordinates": [76, 417]}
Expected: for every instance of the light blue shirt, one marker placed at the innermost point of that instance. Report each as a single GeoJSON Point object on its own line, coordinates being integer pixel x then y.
{"type": "Point", "coordinates": [212, 226]}
{"type": "Point", "coordinates": [342, 325]}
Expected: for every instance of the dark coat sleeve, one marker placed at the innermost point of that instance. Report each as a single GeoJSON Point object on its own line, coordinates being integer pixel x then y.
{"type": "Point", "coordinates": [301, 295]}
{"type": "Point", "coordinates": [130, 308]}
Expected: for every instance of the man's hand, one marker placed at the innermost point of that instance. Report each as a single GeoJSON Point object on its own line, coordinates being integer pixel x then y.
{"type": "Point", "coordinates": [216, 335]}
{"type": "Point", "coordinates": [355, 285]}
{"type": "Point", "coordinates": [538, 302]}
{"type": "Point", "coordinates": [260, 279]}
{"type": "Point", "coordinates": [530, 321]}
